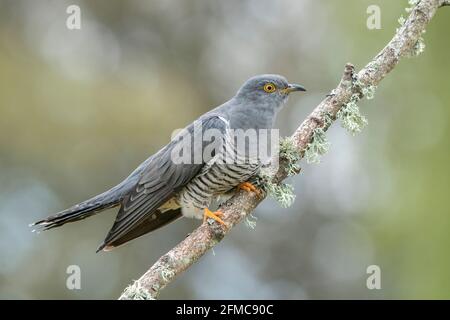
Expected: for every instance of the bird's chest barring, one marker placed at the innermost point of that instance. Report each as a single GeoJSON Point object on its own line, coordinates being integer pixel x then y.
{"type": "Point", "coordinates": [218, 179]}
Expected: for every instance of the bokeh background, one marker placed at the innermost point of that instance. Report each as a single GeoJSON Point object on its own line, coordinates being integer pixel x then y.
{"type": "Point", "coordinates": [80, 109]}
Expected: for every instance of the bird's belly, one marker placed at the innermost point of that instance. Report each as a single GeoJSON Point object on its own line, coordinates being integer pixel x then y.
{"type": "Point", "coordinates": [209, 184]}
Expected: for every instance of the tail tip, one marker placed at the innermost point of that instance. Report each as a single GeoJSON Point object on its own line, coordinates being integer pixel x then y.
{"type": "Point", "coordinates": [39, 226]}
{"type": "Point", "coordinates": [104, 247]}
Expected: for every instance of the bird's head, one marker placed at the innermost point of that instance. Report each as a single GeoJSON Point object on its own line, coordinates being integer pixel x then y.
{"type": "Point", "coordinates": [267, 90]}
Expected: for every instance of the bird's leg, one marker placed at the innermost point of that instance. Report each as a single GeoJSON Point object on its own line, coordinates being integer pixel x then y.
{"type": "Point", "coordinates": [214, 215]}
{"type": "Point", "coordinates": [249, 187]}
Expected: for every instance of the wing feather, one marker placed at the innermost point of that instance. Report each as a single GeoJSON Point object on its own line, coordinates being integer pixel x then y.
{"type": "Point", "coordinates": [160, 181]}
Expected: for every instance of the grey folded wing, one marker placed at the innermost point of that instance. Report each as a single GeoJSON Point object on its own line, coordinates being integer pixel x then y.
{"type": "Point", "coordinates": [166, 173]}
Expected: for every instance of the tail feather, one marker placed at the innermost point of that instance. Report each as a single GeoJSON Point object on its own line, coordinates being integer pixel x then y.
{"type": "Point", "coordinates": [106, 200]}
{"type": "Point", "coordinates": [72, 214]}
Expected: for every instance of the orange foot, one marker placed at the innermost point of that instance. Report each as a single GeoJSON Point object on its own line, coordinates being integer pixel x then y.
{"type": "Point", "coordinates": [214, 215]}
{"type": "Point", "coordinates": [247, 186]}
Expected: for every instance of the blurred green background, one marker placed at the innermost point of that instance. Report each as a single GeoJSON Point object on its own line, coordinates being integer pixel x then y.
{"type": "Point", "coordinates": [80, 109]}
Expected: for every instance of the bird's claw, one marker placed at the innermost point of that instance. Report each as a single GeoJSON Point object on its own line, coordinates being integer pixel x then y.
{"type": "Point", "coordinates": [249, 187]}
{"type": "Point", "coordinates": [213, 215]}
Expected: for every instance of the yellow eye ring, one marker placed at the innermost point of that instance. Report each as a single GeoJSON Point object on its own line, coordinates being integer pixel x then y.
{"type": "Point", "coordinates": [269, 87]}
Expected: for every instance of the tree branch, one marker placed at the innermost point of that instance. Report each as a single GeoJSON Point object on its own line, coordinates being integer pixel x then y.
{"type": "Point", "coordinates": [188, 251]}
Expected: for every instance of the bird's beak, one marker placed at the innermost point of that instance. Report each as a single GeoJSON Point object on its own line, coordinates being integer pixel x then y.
{"type": "Point", "coordinates": [293, 87]}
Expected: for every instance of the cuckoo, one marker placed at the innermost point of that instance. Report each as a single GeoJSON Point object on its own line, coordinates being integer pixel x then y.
{"type": "Point", "coordinates": [181, 179]}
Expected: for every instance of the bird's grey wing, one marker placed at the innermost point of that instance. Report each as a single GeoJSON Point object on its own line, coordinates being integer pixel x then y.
{"type": "Point", "coordinates": [162, 178]}
{"type": "Point", "coordinates": [151, 222]}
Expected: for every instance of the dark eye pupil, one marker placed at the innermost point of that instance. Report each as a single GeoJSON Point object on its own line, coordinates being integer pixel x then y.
{"type": "Point", "coordinates": [269, 87]}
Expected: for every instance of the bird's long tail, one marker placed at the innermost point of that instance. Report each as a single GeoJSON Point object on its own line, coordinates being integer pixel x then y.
{"type": "Point", "coordinates": [108, 199]}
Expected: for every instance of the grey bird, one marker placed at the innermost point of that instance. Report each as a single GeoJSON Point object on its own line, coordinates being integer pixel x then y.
{"type": "Point", "coordinates": [162, 190]}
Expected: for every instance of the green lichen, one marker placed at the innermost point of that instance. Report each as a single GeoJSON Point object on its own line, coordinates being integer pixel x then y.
{"type": "Point", "coordinates": [186, 261]}
{"type": "Point", "coordinates": [349, 114]}
{"type": "Point", "coordinates": [250, 221]}
{"type": "Point", "coordinates": [318, 146]}
{"type": "Point", "coordinates": [327, 119]}
{"type": "Point", "coordinates": [367, 91]}
{"type": "Point", "coordinates": [351, 118]}
{"type": "Point", "coordinates": [167, 275]}
{"type": "Point", "coordinates": [283, 193]}
{"type": "Point", "coordinates": [289, 151]}
{"type": "Point", "coordinates": [136, 291]}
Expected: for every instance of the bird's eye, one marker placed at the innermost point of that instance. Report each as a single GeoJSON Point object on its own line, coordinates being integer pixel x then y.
{"type": "Point", "coordinates": [269, 87]}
